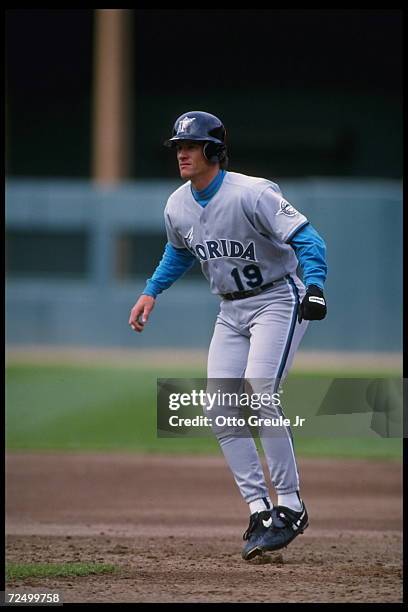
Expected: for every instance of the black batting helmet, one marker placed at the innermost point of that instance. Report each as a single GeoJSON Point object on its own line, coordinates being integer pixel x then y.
{"type": "Point", "coordinates": [201, 127]}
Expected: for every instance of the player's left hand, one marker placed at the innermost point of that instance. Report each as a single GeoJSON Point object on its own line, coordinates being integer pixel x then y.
{"type": "Point", "coordinates": [313, 306]}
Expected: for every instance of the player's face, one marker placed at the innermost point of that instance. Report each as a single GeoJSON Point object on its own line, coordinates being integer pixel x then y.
{"type": "Point", "coordinates": [191, 160]}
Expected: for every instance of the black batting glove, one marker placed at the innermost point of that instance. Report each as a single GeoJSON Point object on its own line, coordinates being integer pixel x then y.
{"type": "Point", "coordinates": [313, 306]}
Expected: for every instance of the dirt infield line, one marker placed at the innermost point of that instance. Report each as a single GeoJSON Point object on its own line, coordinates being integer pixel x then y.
{"type": "Point", "coordinates": [172, 526]}
{"type": "Point", "coordinates": [197, 358]}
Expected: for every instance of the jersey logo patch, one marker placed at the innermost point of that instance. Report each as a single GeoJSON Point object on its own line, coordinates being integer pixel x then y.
{"type": "Point", "coordinates": [185, 124]}
{"type": "Point", "coordinates": [286, 209]}
{"type": "Point", "coordinates": [188, 239]}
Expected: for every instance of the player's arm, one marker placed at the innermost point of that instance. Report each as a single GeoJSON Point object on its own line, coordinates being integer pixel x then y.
{"type": "Point", "coordinates": [173, 264]}
{"type": "Point", "coordinates": [276, 217]}
{"type": "Point", "coordinates": [310, 250]}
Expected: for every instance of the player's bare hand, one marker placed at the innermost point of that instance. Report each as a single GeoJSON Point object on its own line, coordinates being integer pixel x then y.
{"type": "Point", "coordinates": [140, 312]}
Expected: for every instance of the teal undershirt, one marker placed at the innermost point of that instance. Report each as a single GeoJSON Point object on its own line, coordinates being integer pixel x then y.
{"type": "Point", "coordinates": [205, 195]}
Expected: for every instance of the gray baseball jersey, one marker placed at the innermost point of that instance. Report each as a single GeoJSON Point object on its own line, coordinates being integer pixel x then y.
{"type": "Point", "coordinates": [240, 237]}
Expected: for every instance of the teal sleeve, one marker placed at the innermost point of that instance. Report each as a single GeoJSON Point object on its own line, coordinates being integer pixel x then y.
{"type": "Point", "coordinates": [173, 264]}
{"type": "Point", "coordinates": [310, 250]}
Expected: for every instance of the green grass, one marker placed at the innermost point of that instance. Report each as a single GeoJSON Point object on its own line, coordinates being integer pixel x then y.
{"type": "Point", "coordinates": [350, 447]}
{"type": "Point", "coordinates": [21, 571]}
{"type": "Point", "coordinates": [81, 408]}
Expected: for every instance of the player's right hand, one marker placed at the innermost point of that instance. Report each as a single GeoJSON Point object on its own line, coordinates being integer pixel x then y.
{"type": "Point", "coordinates": [140, 312]}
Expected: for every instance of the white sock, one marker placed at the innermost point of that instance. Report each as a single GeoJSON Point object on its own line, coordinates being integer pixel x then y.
{"type": "Point", "coordinates": [290, 500]}
{"type": "Point", "coordinates": [260, 504]}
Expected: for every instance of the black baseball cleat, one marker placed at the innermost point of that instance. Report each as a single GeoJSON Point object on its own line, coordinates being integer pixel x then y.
{"type": "Point", "coordinates": [286, 525]}
{"type": "Point", "coordinates": [259, 523]}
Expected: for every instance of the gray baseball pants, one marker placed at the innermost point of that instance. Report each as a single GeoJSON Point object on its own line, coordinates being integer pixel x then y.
{"type": "Point", "coordinates": [256, 339]}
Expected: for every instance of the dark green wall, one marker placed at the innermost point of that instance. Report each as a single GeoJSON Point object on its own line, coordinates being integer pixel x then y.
{"type": "Point", "coordinates": [302, 92]}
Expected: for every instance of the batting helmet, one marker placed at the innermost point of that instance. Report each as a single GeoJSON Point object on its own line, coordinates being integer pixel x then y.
{"type": "Point", "coordinates": [202, 127]}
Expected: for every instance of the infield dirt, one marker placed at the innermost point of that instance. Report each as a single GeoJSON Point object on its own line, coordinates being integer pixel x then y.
{"type": "Point", "coordinates": [173, 527]}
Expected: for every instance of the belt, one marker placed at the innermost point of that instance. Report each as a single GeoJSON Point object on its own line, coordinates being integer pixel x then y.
{"type": "Point", "coordinates": [239, 295]}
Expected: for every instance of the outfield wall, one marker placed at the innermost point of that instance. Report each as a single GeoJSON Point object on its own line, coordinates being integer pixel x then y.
{"type": "Point", "coordinates": [77, 258]}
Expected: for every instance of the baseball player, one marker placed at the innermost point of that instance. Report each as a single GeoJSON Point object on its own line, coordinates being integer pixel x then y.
{"type": "Point", "coordinates": [249, 241]}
